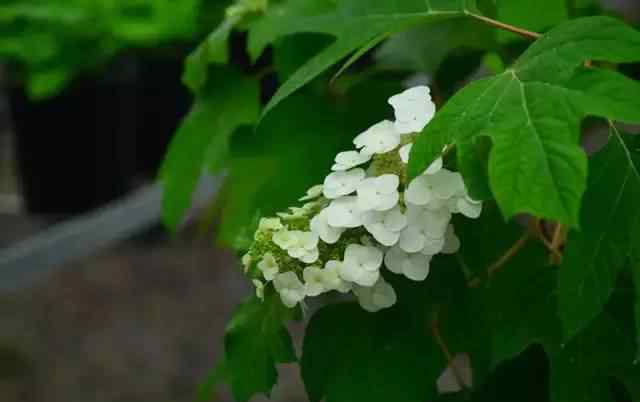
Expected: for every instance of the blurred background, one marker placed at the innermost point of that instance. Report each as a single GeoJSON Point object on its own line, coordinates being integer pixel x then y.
{"type": "Point", "coordinates": [90, 95]}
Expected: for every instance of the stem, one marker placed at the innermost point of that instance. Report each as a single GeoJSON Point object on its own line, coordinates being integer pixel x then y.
{"type": "Point", "coordinates": [503, 260]}
{"type": "Point", "coordinates": [557, 241]}
{"type": "Point", "coordinates": [537, 230]}
{"type": "Point", "coordinates": [435, 331]}
{"type": "Point", "coordinates": [501, 25]}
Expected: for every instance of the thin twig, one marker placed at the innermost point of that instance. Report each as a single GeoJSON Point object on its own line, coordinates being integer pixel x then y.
{"type": "Point", "coordinates": [502, 261]}
{"type": "Point", "coordinates": [435, 331]}
{"type": "Point", "coordinates": [557, 241]}
{"type": "Point", "coordinates": [501, 25]}
{"type": "Point", "coordinates": [536, 228]}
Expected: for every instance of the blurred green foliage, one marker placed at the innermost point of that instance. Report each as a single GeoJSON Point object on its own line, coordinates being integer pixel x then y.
{"type": "Point", "coordinates": [47, 42]}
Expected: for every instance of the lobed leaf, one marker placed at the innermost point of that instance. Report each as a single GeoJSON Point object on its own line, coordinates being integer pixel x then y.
{"type": "Point", "coordinates": [597, 253]}
{"type": "Point", "coordinates": [532, 112]}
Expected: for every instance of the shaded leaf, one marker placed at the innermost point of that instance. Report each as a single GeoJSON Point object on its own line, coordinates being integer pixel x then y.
{"type": "Point", "coordinates": [351, 32]}
{"type": "Point", "coordinates": [581, 370]}
{"type": "Point", "coordinates": [424, 48]}
{"type": "Point", "coordinates": [535, 16]}
{"type": "Point", "coordinates": [201, 142]}
{"type": "Point", "coordinates": [352, 355]}
{"type": "Point", "coordinates": [597, 253]}
{"type": "Point", "coordinates": [213, 50]}
{"type": "Point", "coordinates": [255, 341]}
{"type": "Point", "coordinates": [518, 301]}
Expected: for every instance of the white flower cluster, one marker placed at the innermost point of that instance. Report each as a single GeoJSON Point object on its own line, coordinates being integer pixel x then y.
{"type": "Point", "coordinates": [374, 218]}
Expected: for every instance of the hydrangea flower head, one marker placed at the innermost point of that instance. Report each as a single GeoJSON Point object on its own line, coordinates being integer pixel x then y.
{"type": "Point", "coordinates": [364, 216]}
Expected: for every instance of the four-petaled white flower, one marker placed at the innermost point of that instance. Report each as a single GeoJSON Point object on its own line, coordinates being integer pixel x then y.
{"type": "Point", "coordinates": [259, 289]}
{"type": "Point", "coordinates": [378, 193]}
{"type": "Point", "coordinates": [291, 290]}
{"type": "Point", "coordinates": [425, 231]}
{"type": "Point", "coordinates": [413, 109]}
{"type": "Point", "coordinates": [268, 266]}
{"type": "Point", "coordinates": [284, 239]}
{"type": "Point", "coordinates": [312, 193]}
{"type": "Point", "coordinates": [305, 248]}
{"type": "Point", "coordinates": [338, 184]}
{"type": "Point", "coordinates": [331, 277]}
{"type": "Point", "coordinates": [386, 226]}
{"type": "Point", "coordinates": [313, 281]}
{"type": "Point", "coordinates": [272, 224]}
{"type": "Point", "coordinates": [414, 266]}
{"type": "Point", "coordinates": [361, 265]}
{"type": "Point", "coordinates": [344, 213]}
{"type": "Point", "coordinates": [349, 159]}
{"type": "Point", "coordinates": [320, 226]}
{"type": "Point", "coordinates": [378, 139]}
{"type": "Point", "coordinates": [377, 297]}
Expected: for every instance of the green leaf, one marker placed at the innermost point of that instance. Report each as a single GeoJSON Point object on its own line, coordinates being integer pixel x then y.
{"type": "Point", "coordinates": [352, 355]}
{"type": "Point", "coordinates": [635, 273]}
{"type": "Point", "coordinates": [201, 142]}
{"type": "Point", "coordinates": [255, 341]}
{"type": "Point", "coordinates": [207, 389]}
{"type": "Point", "coordinates": [213, 50]}
{"type": "Point", "coordinates": [581, 370]}
{"type": "Point", "coordinates": [424, 48]}
{"type": "Point", "coordinates": [597, 253]}
{"type": "Point", "coordinates": [518, 301]}
{"type": "Point", "coordinates": [351, 32]}
{"type": "Point", "coordinates": [532, 114]}
{"type": "Point", "coordinates": [534, 16]}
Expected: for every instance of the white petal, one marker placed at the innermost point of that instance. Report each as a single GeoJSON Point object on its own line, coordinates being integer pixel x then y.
{"type": "Point", "coordinates": [404, 152]}
{"type": "Point", "coordinates": [452, 242]}
{"type": "Point", "coordinates": [395, 259]}
{"type": "Point", "coordinates": [344, 213]}
{"type": "Point", "coordinates": [387, 183]}
{"type": "Point", "coordinates": [411, 239]}
{"type": "Point", "coordinates": [338, 184]}
{"type": "Point", "coordinates": [436, 222]}
{"type": "Point", "coordinates": [419, 191]}
{"type": "Point", "coordinates": [413, 109]}
{"type": "Point", "coordinates": [310, 256]}
{"type": "Point", "coordinates": [291, 290]}
{"type": "Point", "coordinates": [447, 184]}
{"type": "Point", "coordinates": [383, 235]}
{"type": "Point", "coordinates": [469, 208]}
{"type": "Point", "coordinates": [284, 239]}
{"type": "Point", "coordinates": [418, 267]}
{"type": "Point", "coordinates": [433, 245]}
{"type": "Point", "coordinates": [395, 220]}
{"type": "Point", "coordinates": [320, 225]}
{"type": "Point", "coordinates": [312, 193]}
{"type": "Point", "coordinates": [370, 258]}
{"type": "Point", "coordinates": [380, 138]}
{"type": "Point", "coordinates": [384, 296]}
{"type": "Point", "coordinates": [313, 281]}
{"type": "Point", "coordinates": [435, 167]}
{"type": "Point", "coordinates": [457, 375]}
